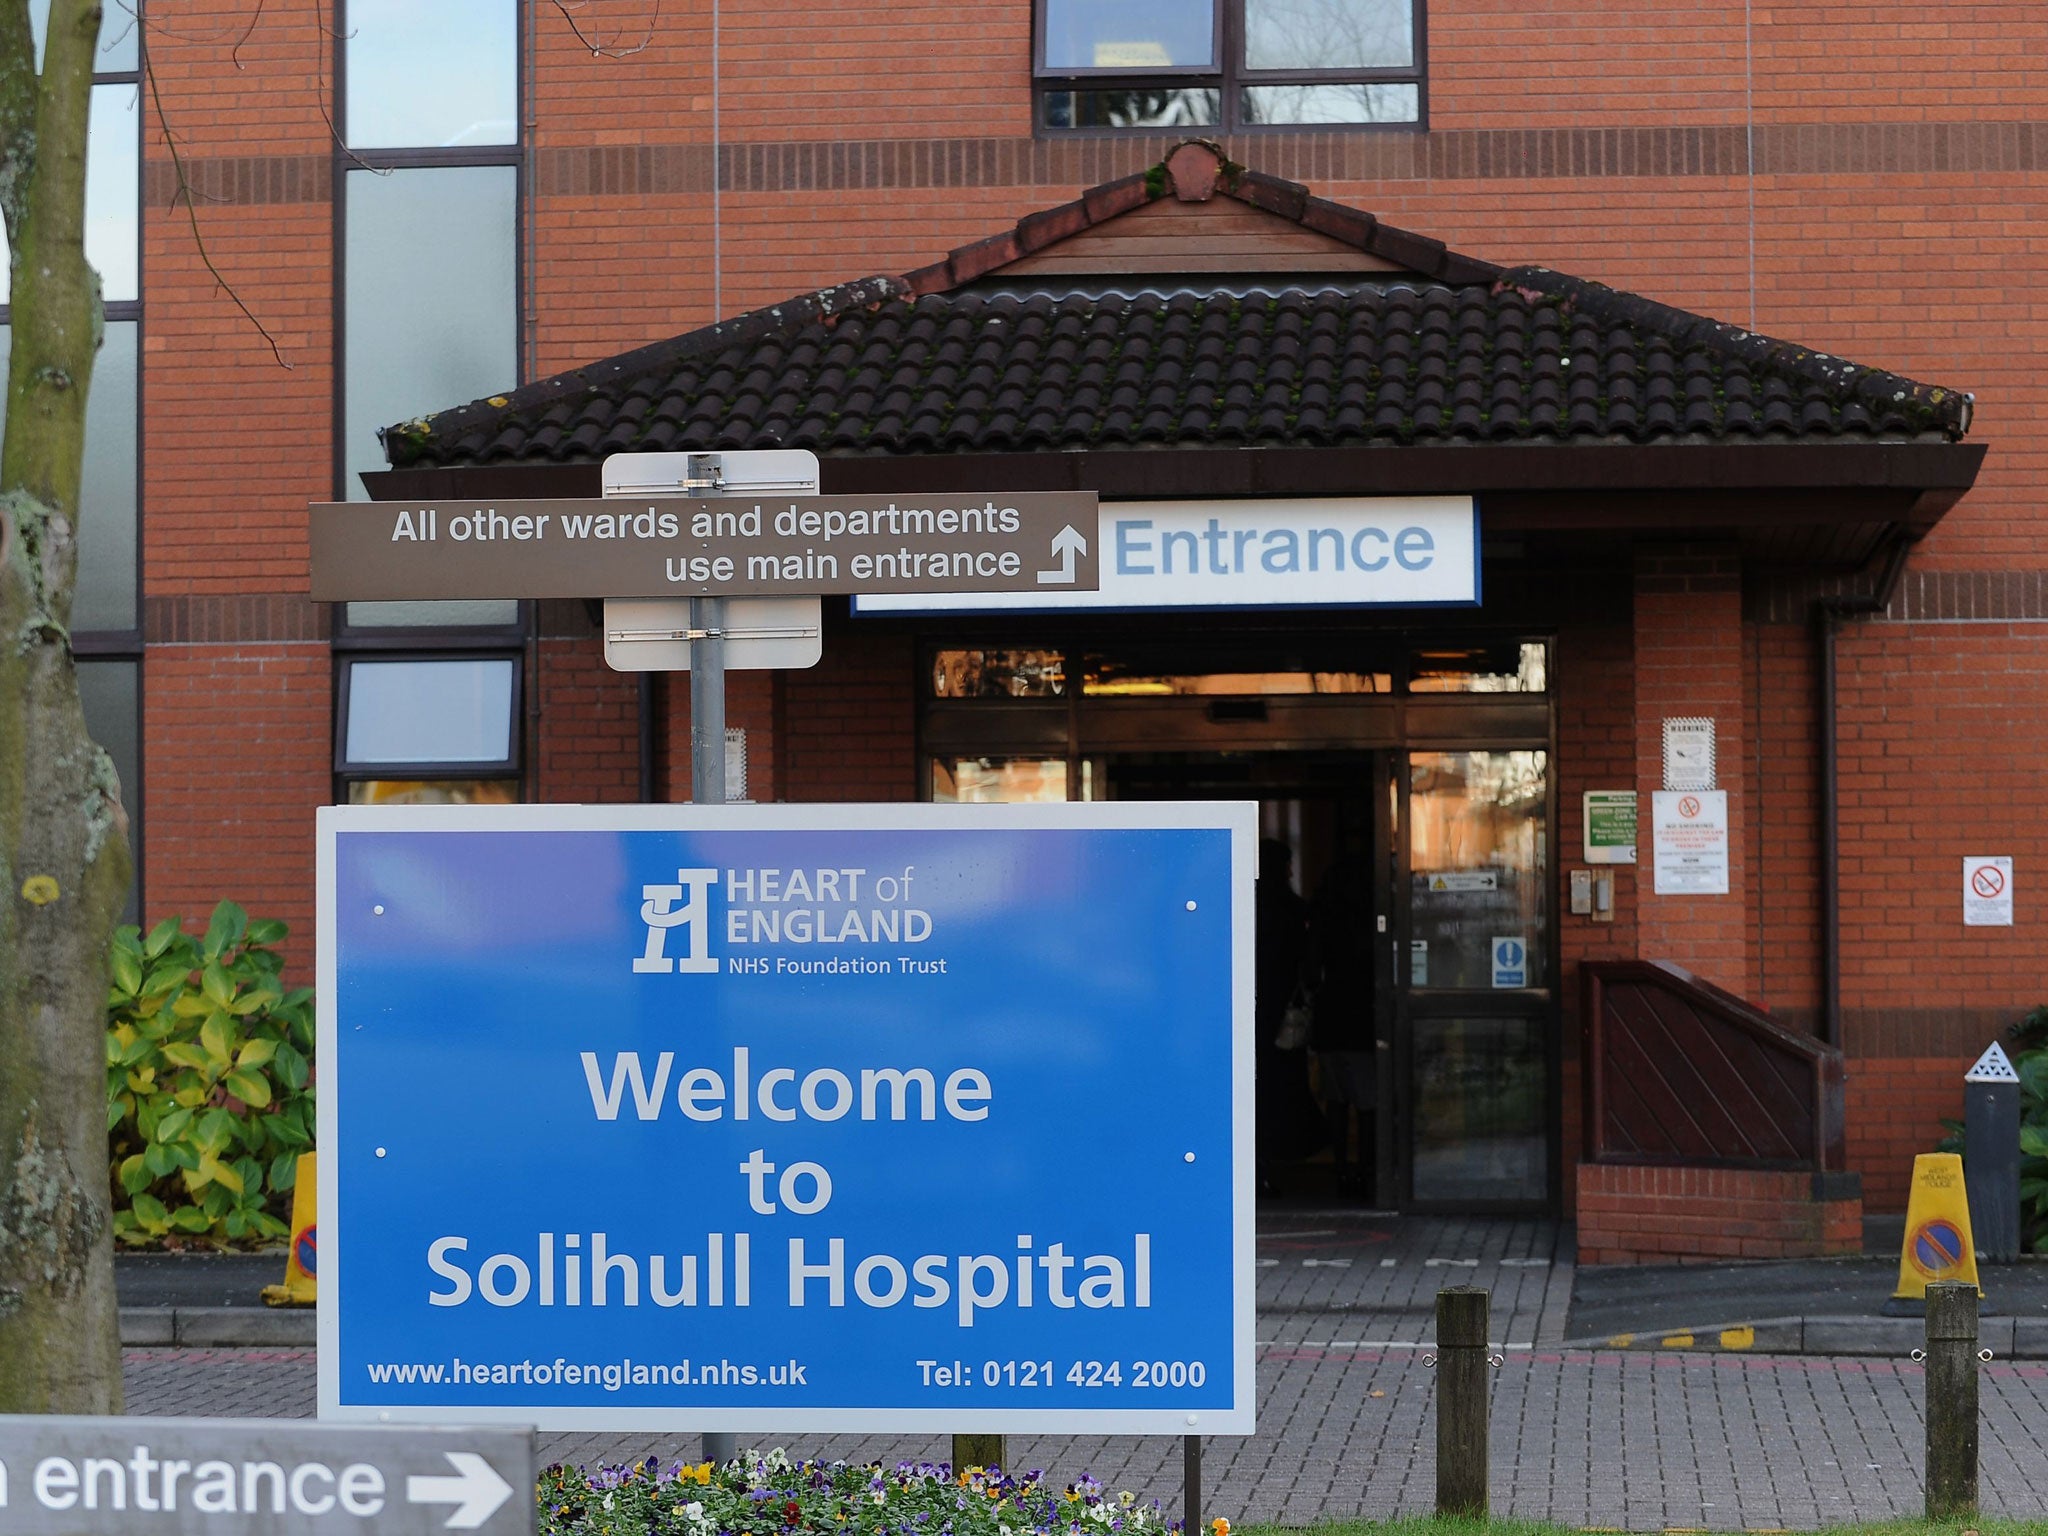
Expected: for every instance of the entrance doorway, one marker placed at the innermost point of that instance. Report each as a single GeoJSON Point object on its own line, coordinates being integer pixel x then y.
{"type": "Point", "coordinates": [1324, 974]}
{"type": "Point", "coordinates": [1415, 808]}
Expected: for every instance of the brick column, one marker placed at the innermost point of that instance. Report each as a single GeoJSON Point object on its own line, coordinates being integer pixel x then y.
{"type": "Point", "coordinates": [1689, 661]}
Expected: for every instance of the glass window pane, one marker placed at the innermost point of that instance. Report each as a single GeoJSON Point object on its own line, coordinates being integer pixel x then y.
{"type": "Point", "coordinates": [113, 189]}
{"type": "Point", "coordinates": [434, 792]}
{"type": "Point", "coordinates": [1328, 34]}
{"type": "Point", "coordinates": [998, 674]}
{"type": "Point", "coordinates": [429, 711]}
{"type": "Point", "coordinates": [1501, 666]}
{"type": "Point", "coordinates": [1479, 1095]}
{"type": "Point", "coordinates": [1165, 107]}
{"type": "Point", "coordinates": [104, 597]}
{"type": "Point", "coordinates": [120, 35]}
{"type": "Point", "coordinates": [465, 613]}
{"type": "Point", "coordinates": [1129, 34]}
{"type": "Point", "coordinates": [1308, 105]}
{"type": "Point", "coordinates": [426, 76]}
{"type": "Point", "coordinates": [999, 780]}
{"type": "Point", "coordinates": [1477, 862]}
{"type": "Point", "coordinates": [113, 192]}
{"type": "Point", "coordinates": [110, 692]}
{"type": "Point", "coordinates": [430, 296]}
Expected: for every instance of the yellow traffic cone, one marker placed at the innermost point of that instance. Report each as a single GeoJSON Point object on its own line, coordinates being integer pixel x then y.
{"type": "Point", "coordinates": [1938, 1244]}
{"type": "Point", "coordinates": [302, 1262]}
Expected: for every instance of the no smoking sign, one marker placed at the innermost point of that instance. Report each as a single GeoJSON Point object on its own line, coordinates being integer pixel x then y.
{"type": "Point", "coordinates": [1987, 891]}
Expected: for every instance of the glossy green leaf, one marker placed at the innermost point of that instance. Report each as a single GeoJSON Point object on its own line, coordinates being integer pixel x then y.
{"type": "Point", "coordinates": [218, 986]}
{"type": "Point", "coordinates": [230, 923]}
{"type": "Point", "coordinates": [290, 1066]}
{"type": "Point", "coordinates": [191, 1218]}
{"type": "Point", "coordinates": [125, 966]}
{"type": "Point", "coordinates": [173, 1124]}
{"type": "Point", "coordinates": [284, 1171]}
{"type": "Point", "coordinates": [150, 1212]}
{"type": "Point", "coordinates": [185, 1054]}
{"type": "Point", "coordinates": [250, 1087]}
{"type": "Point", "coordinates": [217, 1035]}
{"type": "Point", "coordinates": [267, 931]}
{"type": "Point", "coordinates": [160, 937]}
{"type": "Point", "coordinates": [134, 1174]}
{"type": "Point", "coordinates": [256, 1053]}
{"type": "Point", "coordinates": [161, 1161]}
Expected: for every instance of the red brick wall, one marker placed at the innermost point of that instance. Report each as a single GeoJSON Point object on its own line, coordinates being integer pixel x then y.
{"type": "Point", "coordinates": [590, 736]}
{"type": "Point", "coordinates": [1782, 835]}
{"type": "Point", "coordinates": [1629, 1214]}
{"type": "Point", "coordinates": [852, 731]}
{"type": "Point", "coordinates": [237, 756]}
{"type": "Point", "coordinates": [1896, 1107]}
{"type": "Point", "coordinates": [1688, 662]}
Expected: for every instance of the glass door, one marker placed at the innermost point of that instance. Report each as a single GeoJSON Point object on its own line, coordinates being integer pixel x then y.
{"type": "Point", "coordinates": [1476, 1008]}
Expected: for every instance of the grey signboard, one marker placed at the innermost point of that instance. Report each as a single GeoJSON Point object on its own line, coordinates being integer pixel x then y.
{"type": "Point", "coordinates": [732, 546]}
{"type": "Point", "coordinates": [260, 1477]}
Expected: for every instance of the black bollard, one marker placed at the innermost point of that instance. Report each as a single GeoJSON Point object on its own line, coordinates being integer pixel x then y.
{"type": "Point", "coordinates": [1461, 1401]}
{"type": "Point", "coordinates": [1951, 1400]}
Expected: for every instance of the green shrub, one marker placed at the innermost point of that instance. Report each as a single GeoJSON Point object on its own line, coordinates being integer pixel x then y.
{"type": "Point", "coordinates": [209, 1101]}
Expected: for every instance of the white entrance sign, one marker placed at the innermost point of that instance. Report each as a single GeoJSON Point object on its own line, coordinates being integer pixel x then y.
{"type": "Point", "coordinates": [1334, 552]}
{"type": "Point", "coordinates": [1987, 891]}
{"type": "Point", "coordinates": [1690, 838]}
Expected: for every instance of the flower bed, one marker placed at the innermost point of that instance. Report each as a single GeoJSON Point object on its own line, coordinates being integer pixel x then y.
{"type": "Point", "coordinates": [770, 1495]}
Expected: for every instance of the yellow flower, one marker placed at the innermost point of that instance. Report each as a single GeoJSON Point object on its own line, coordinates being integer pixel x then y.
{"type": "Point", "coordinates": [1220, 1526]}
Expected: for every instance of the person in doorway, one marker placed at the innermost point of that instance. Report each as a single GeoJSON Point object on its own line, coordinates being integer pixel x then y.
{"type": "Point", "coordinates": [1289, 1125]}
{"type": "Point", "coordinates": [1344, 946]}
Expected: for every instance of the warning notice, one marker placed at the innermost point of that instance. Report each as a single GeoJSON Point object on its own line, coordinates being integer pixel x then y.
{"type": "Point", "coordinates": [1690, 836]}
{"type": "Point", "coordinates": [1987, 891]}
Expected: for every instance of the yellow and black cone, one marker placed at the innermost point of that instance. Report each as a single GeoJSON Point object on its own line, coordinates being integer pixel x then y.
{"type": "Point", "coordinates": [1938, 1243]}
{"type": "Point", "coordinates": [302, 1262]}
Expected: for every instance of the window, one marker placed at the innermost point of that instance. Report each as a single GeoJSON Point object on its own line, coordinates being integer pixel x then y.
{"type": "Point", "coordinates": [426, 693]}
{"type": "Point", "coordinates": [1228, 64]}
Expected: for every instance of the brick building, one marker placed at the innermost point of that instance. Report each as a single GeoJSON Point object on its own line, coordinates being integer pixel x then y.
{"type": "Point", "coordinates": [1585, 229]}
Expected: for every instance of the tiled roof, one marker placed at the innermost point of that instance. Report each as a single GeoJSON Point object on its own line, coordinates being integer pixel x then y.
{"type": "Point", "coordinates": [1451, 350]}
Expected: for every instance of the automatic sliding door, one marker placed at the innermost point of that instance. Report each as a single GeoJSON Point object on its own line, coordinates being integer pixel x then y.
{"type": "Point", "coordinates": [1478, 1004]}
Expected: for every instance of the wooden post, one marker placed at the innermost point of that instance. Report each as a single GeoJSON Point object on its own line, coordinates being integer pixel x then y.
{"type": "Point", "coordinates": [1461, 1401]}
{"type": "Point", "coordinates": [1951, 1400]}
{"type": "Point", "coordinates": [979, 1451]}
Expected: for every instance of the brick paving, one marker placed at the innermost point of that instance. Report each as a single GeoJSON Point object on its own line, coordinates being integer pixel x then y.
{"type": "Point", "coordinates": [1346, 1427]}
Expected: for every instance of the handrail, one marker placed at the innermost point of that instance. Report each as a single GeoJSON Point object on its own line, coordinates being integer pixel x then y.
{"type": "Point", "coordinates": [1679, 1071]}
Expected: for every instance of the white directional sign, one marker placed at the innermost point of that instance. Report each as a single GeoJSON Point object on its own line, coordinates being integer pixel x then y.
{"type": "Point", "coordinates": [260, 1477]}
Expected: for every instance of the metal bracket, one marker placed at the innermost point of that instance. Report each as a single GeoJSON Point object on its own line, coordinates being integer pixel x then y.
{"type": "Point", "coordinates": [1496, 1361]}
{"type": "Point", "coordinates": [1917, 1355]}
{"type": "Point", "coordinates": [787, 632]}
{"type": "Point", "coordinates": [1429, 1362]}
{"type": "Point", "coordinates": [1984, 1355]}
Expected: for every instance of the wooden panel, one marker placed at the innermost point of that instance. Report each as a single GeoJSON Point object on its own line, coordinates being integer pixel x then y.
{"type": "Point", "coordinates": [1222, 235]}
{"type": "Point", "coordinates": [1682, 1072]}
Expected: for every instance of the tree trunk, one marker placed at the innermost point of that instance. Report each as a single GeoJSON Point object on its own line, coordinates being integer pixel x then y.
{"type": "Point", "coordinates": [64, 861]}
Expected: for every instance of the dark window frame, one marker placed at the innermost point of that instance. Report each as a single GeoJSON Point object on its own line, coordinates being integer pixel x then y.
{"type": "Point", "coordinates": [1228, 79]}
{"type": "Point", "coordinates": [511, 766]}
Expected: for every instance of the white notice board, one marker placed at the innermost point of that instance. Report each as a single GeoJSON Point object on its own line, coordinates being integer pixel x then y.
{"type": "Point", "coordinates": [1689, 833]}
{"type": "Point", "coordinates": [1987, 891]}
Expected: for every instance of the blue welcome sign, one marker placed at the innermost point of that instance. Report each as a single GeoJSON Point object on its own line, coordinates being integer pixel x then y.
{"type": "Point", "coordinates": [919, 1118]}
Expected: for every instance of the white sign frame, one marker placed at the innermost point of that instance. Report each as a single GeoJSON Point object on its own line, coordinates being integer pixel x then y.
{"type": "Point", "coordinates": [1410, 551]}
{"type": "Point", "coordinates": [1689, 836]}
{"type": "Point", "coordinates": [1984, 906]}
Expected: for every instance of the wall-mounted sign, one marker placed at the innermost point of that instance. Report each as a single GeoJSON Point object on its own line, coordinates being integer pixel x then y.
{"type": "Point", "coordinates": [1510, 961]}
{"type": "Point", "coordinates": [1689, 840]}
{"type": "Point", "coordinates": [1610, 822]}
{"type": "Point", "coordinates": [691, 1118]}
{"type": "Point", "coordinates": [1987, 891]}
{"type": "Point", "coordinates": [1689, 753]}
{"type": "Point", "coordinates": [1348, 552]}
{"type": "Point", "coordinates": [673, 546]}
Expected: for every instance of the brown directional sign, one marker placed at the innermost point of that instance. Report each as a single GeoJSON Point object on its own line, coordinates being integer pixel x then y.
{"type": "Point", "coordinates": [732, 546]}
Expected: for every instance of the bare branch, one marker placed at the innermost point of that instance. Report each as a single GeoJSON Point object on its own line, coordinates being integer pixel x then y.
{"type": "Point", "coordinates": [600, 49]}
{"type": "Point", "coordinates": [235, 53]}
{"type": "Point", "coordinates": [185, 194]}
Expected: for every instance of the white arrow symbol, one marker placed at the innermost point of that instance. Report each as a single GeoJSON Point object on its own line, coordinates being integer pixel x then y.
{"type": "Point", "coordinates": [1067, 543]}
{"type": "Point", "coordinates": [479, 1490]}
